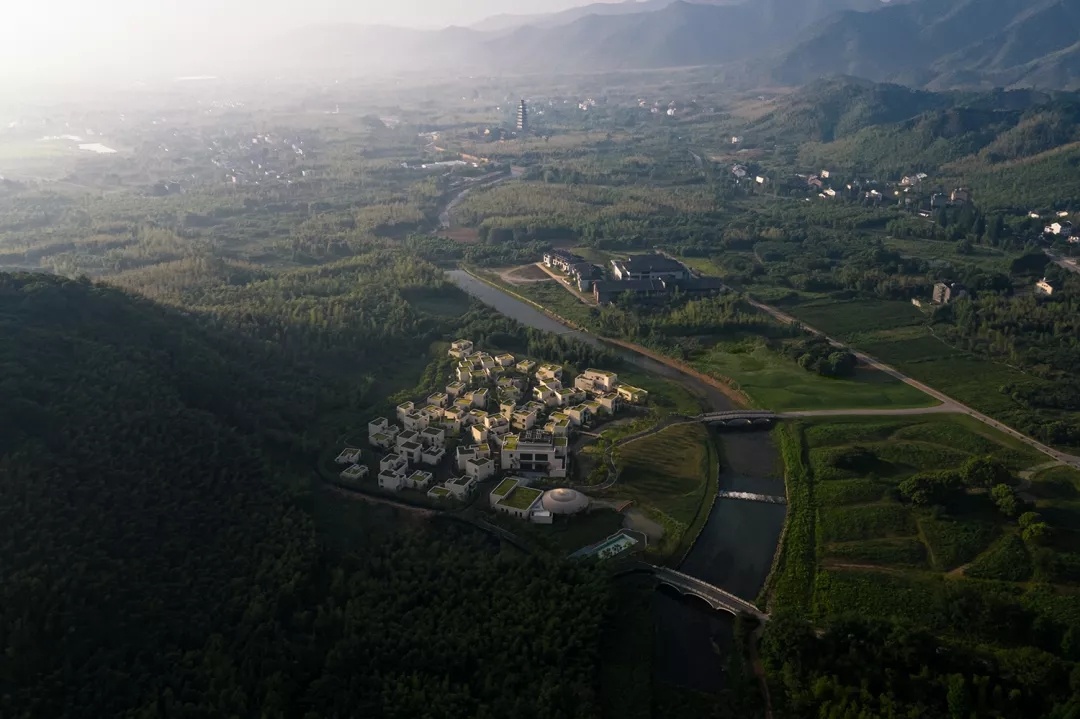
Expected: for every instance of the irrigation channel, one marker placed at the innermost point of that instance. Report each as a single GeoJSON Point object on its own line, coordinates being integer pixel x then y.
{"type": "Point", "coordinates": [736, 546]}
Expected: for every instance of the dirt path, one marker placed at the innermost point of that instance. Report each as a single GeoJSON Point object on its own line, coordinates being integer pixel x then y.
{"type": "Point", "coordinates": [926, 389]}
{"type": "Point", "coordinates": [565, 282]}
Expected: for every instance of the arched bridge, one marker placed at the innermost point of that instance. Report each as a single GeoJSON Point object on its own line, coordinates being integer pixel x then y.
{"type": "Point", "coordinates": [740, 417]}
{"type": "Point", "coordinates": [716, 597]}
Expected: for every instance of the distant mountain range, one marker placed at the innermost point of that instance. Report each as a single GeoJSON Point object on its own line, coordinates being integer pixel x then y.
{"type": "Point", "coordinates": [925, 43]}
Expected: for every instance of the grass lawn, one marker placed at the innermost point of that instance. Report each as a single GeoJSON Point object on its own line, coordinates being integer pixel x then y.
{"type": "Point", "coordinates": [672, 475]}
{"type": "Point", "coordinates": [779, 384]}
{"type": "Point", "coordinates": [851, 544]}
{"type": "Point", "coordinates": [665, 396]}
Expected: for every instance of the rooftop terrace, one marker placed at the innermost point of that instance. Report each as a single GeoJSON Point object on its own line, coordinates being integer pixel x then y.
{"type": "Point", "coordinates": [521, 498]}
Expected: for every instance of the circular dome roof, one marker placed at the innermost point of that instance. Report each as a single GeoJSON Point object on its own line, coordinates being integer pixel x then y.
{"type": "Point", "coordinates": [564, 501]}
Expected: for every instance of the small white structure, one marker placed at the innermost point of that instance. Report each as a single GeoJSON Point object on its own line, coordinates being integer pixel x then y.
{"type": "Point", "coordinates": [416, 421]}
{"type": "Point", "coordinates": [504, 360]}
{"type": "Point", "coordinates": [480, 468]}
{"type": "Point", "coordinates": [439, 493]}
{"type": "Point", "coordinates": [411, 451]}
{"type": "Point", "coordinates": [564, 501]}
{"type": "Point", "coordinates": [393, 463]}
{"type": "Point", "coordinates": [1044, 287]}
{"type": "Point", "coordinates": [403, 410]}
{"type": "Point", "coordinates": [355, 473]}
{"type": "Point", "coordinates": [349, 455]}
{"type": "Point", "coordinates": [455, 389]}
{"type": "Point", "coordinates": [548, 372]}
{"type": "Point", "coordinates": [597, 380]}
{"type": "Point", "coordinates": [418, 480]}
{"type": "Point", "coordinates": [1062, 229]}
{"type": "Point", "coordinates": [631, 394]}
{"type": "Point", "coordinates": [461, 348]}
{"type": "Point", "coordinates": [461, 487]}
{"type": "Point", "coordinates": [406, 436]}
{"type": "Point", "coordinates": [535, 453]}
{"type": "Point", "coordinates": [433, 437]}
{"type": "Point", "coordinates": [525, 366]}
{"type": "Point", "coordinates": [432, 455]}
{"type": "Point", "coordinates": [390, 480]}
{"type": "Point", "coordinates": [463, 454]}
{"type": "Point", "coordinates": [439, 399]}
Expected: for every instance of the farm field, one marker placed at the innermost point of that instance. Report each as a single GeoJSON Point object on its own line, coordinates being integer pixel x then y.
{"type": "Point", "coordinates": [779, 384]}
{"type": "Point", "coordinates": [874, 552]}
{"type": "Point", "coordinates": [853, 318]}
{"type": "Point", "coordinates": [672, 475]}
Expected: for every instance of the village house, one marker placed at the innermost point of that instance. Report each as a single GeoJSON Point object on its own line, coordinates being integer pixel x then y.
{"type": "Point", "coordinates": [349, 455]}
{"type": "Point", "coordinates": [403, 410]}
{"type": "Point", "coordinates": [432, 455]}
{"type": "Point", "coordinates": [609, 402]}
{"type": "Point", "coordinates": [1045, 287]}
{"type": "Point", "coordinates": [439, 493]}
{"type": "Point", "coordinates": [525, 366]}
{"type": "Point", "coordinates": [1061, 229]}
{"type": "Point", "coordinates": [561, 259]}
{"type": "Point", "coordinates": [439, 399]}
{"type": "Point", "coordinates": [461, 487]}
{"type": "Point", "coordinates": [416, 421]}
{"type": "Point", "coordinates": [454, 389]}
{"type": "Point", "coordinates": [393, 463]}
{"type": "Point", "coordinates": [504, 360]}
{"type": "Point", "coordinates": [355, 473]}
{"type": "Point", "coordinates": [579, 415]}
{"type": "Point", "coordinates": [634, 395]}
{"type": "Point", "coordinates": [461, 348]}
{"type": "Point", "coordinates": [944, 293]}
{"type": "Point", "coordinates": [536, 453]}
{"type": "Point", "coordinates": [407, 436]}
{"type": "Point", "coordinates": [433, 437]}
{"type": "Point", "coordinates": [524, 418]}
{"type": "Point", "coordinates": [513, 496]}
{"type": "Point", "coordinates": [391, 480]}
{"type": "Point", "coordinates": [547, 372]}
{"type": "Point", "coordinates": [464, 453]}
{"type": "Point", "coordinates": [480, 468]}
{"type": "Point", "coordinates": [419, 480]}
{"type": "Point", "coordinates": [558, 424]}
{"type": "Point", "coordinates": [597, 380]}
{"type": "Point", "coordinates": [410, 451]}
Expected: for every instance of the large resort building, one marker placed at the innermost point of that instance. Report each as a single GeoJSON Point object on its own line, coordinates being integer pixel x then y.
{"type": "Point", "coordinates": [499, 415]}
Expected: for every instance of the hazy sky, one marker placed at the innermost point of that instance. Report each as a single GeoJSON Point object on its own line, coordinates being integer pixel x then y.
{"type": "Point", "coordinates": [49, 37]}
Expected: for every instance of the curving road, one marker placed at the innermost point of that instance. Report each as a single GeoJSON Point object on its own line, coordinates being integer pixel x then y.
{"type": "Point", "coordinates": [948, 404]}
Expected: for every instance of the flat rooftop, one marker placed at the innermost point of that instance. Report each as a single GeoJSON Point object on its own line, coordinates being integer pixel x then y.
{"type": "Point", "coordinates": [504, 486]}
{"type": "Point", "coordinates": [521, 498]}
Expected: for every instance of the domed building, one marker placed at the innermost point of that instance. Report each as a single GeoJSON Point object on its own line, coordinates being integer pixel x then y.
{"type": "Point", "coordinates": [564, 501]}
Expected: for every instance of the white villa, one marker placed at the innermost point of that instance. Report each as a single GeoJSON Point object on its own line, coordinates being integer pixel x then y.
{"type": "Point", "coordinates": [349, 455]}
{"type": "Point", "coordinates": [535, 453]}
{"type": "Point", "coordinates": [461, 487]}
{"type": "Point", "coordinates": [461, 348]}
{"type": "Point", "coordinates": [513, 496]}
{"type": "Point", "coordinates": [355, 473]}
{"type": "Point", "coordinates": [596, 381]}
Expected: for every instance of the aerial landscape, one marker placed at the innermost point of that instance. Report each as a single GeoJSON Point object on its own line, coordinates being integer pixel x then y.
{"type": "Point", "coordinates": [541, 359]}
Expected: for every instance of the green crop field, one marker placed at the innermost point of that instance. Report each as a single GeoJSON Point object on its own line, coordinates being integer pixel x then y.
{"type": "Point", "coordinates": [848, 318]}
{"type": "Point", "coordinates": [854, 544]}
{"type": "Point", "coordinates": [780, 384]}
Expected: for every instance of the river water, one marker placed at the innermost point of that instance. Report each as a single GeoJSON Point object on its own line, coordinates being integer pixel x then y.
{"type": "Point", "coordinates": [735, 548]}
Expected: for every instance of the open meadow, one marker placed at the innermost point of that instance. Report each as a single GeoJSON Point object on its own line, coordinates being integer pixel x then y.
{"type": "Point", "coordinates": [857, 542]}
{"type": "Point", "coordinates": [777, 383]}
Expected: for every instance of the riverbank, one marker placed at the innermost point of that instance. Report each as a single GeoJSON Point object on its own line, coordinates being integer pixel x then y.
{"type": "Point", "coordinates": [739, 399]}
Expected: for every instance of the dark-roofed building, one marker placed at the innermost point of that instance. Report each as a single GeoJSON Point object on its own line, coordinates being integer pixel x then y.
{"type": "Point", "coordinates": [585, 274]}
{"type": "Point", "coordinates": [608, 291]}
{"type": "Point", "coordinates": [562, 259]}
{"type": "Point", "coordinates": [648, 267]}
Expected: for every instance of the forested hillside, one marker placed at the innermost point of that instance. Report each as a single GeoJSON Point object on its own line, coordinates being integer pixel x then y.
{"type": "Point", "coordinates": [159, 563]}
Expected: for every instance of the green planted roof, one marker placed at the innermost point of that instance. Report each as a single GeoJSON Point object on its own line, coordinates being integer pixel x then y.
{"type": "Point", "coordinates": [521, 498]}
{"type": "Point", "coordinates": [505, 486]}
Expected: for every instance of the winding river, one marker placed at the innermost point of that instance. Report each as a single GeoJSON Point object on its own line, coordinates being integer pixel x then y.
{"type": "Point", "coordinates": [734, 550]}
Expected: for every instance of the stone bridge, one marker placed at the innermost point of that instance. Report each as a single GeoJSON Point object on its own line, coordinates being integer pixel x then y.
{"type": "Point", "coordinates": [717, 598]}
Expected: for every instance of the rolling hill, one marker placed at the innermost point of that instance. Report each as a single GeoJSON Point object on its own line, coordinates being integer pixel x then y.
{"type": "Point", "coordinates": [945, 43]}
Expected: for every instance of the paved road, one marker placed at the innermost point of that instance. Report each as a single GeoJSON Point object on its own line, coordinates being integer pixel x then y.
{"type": "Point", "coordinates": [1066, 263]}
{"type": "Point", "coordinates": [951, 405]}
{"type": "Point", "coordinates": [945, 408]}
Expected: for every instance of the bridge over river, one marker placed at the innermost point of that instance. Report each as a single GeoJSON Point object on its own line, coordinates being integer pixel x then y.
{"type": "Point", "coordinates": [716, 597]}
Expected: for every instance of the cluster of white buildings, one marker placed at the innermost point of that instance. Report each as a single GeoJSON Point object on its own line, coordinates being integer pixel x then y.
{"type": "Point", "coordinates": [515, 497]}
{"type": "Point", "coordinates": [504, 414]}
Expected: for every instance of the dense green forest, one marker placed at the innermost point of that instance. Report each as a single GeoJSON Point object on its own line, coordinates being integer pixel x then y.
{"type": "Point", "coordinates": [161, 560]}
